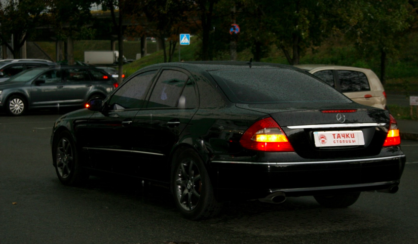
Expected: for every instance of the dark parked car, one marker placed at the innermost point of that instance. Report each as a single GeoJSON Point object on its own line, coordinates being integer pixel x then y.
{"type": "Point", "coordinates": [230, 130]}
{"type": "Point", "coordinates": [54, 87]}
{"type": "Point", "coordinates": [11, 67]}
{"type": "Point", "coordinates": [111, 71]}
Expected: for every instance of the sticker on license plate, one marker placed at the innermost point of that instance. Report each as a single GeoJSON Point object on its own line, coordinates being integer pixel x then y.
{"type": "Point", "coordinates": [338, 138]}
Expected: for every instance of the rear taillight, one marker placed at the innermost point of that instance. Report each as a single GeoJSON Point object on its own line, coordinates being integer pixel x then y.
{"type": "Point", "coordinates": [105, 77]}
{"type": "Point", "coordinates": [266, 135]}
{"type": "Point", "coordinates": [115, 85]}
{"type": "Point", "coordinates": [392, 138]}
{"type": "Point", "coordinates": [123, 75]}
{"type": "Point", "coordinates": [384, 94]}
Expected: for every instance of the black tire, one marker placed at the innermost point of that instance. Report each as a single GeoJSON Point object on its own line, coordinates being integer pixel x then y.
{"type": "Point", "coordinates": [67, 162]}
{"type": "Point", "coordinates": [16, 105]}
{"type": "Point", "coordinates": [337, 201]}
{"type": "Point", "coordinates": [192, 188]}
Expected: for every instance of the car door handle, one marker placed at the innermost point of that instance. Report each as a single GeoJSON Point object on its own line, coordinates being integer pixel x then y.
{"type": "Point", "coordinates": [173, 122]}
{"type": "Point", "coordinates": [368, 96]}
{"type": "Point", "coordinates": [126, 122]}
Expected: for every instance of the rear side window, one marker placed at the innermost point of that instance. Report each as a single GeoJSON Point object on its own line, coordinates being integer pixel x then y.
{"type": "Point", "coordinates": [167, 90]}
{"type": "Point", "coordinates": [353, 81]}
{"type": "Point", "coordinates": [274, 85]}
{"type": "Point", "coordinates": [327, 76]}
{"type": "Point", "coordinates": [77, 75]}
{"type": "Point", "coordinates": [51, 76]}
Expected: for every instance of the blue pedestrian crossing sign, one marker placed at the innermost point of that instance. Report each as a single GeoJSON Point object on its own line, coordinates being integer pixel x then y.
{"type": "Point", "coordinates": [184, 39]}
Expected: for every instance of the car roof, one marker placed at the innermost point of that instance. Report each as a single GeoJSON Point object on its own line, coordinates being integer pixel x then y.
{"type": "Point", "coordinates": [312, 67]}
{"type": "Point", "coordinates": [221, 65]}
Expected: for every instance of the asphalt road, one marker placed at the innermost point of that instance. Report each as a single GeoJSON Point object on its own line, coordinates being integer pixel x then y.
{"type": "Point", "coordinates": [36, 208]}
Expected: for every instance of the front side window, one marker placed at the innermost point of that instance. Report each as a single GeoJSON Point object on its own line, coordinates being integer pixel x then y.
{"type": "Point", "coordinates": [353, 81]}
{"type": "Point", "coordinates": [26, 75]}
{"type": "Point", "coordinates": [133, 92]}
{"type": "Point", "coordinates": [167, 90]}
{"type": "Point", "coordinates": [52, 76]}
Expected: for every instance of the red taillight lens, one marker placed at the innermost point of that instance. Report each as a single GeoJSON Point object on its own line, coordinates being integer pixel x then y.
{"type": "Point", "coordinates": [393, 137]}
{"type": "Point", "coordinates": [339, 111]}
{"type": "Point", "coordinates": [115, 85]}
{"type": "Point", "coordinates": [123, 75]}
{"type": "Point", "coordinates": [105, 77]}
{"type": "Point", "coordinates": [266, 135]}
{"type": "Point", "coordinates": [87, 105]}
{"type": "Point", "coordinates": [384, 94]}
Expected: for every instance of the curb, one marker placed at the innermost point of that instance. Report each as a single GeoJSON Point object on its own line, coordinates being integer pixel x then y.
{"type": "Point", "coordinates": [409, 136]}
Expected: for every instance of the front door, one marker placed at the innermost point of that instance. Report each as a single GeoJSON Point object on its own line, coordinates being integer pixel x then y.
{"type": "Point", "coordinates": [113, 133]}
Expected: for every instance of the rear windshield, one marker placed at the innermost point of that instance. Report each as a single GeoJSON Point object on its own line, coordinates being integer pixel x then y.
{"type": "Point", "coordinates": [274, 85]}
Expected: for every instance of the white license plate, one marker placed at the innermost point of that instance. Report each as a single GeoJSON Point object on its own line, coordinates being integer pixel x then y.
{"type": "Point", "coordinates": [338, 138]}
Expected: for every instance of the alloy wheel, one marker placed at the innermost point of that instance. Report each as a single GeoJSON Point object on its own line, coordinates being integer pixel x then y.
{"type": "Point", "coordinates": [188, 185]}
{"type": "Point", "coordinates": [64, 158]}
{"type": "Point", "coordinates": [16, 106]}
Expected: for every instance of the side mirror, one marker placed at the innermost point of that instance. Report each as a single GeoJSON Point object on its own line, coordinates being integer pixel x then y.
{"type": "Point", "coordinates": [39, 82]}
{"type": "Point", "coordinates": [94, 104]}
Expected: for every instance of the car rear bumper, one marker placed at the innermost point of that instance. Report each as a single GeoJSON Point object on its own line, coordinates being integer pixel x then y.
{"type": "Point", "coordinates": [250, 180]}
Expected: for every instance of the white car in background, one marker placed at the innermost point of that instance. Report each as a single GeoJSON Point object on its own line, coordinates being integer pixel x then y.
{"type": "Point", "coordinates": [359, 84]}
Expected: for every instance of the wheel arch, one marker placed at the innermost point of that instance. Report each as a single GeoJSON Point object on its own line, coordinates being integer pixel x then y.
{"type": "Point", "coordinates": [179, 148]}
{"type": "Point", "coordinates": [20, 94]}
{"type": "Point", "coordinates": [57, 133]}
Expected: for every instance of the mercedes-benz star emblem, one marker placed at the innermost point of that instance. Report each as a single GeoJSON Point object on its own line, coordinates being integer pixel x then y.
{"type": "Point", "coordinates": [340, 118]}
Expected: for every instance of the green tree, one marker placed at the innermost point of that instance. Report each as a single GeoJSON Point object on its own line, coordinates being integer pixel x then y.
{"type": "Point", "coordinates": [376, 26]}
{"type": "Point", "coordinates": [69, 20]}
{"type": "Point", "coordinates": [166, 19]}
{"type": "Point", "coordinates": [18, 21]}
{"type": "Point", "coordinates": [298, 25]}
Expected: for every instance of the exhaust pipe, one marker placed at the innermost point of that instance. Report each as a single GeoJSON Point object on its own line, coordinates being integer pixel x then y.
{"type": "Point", "coordinates": [275, 198]}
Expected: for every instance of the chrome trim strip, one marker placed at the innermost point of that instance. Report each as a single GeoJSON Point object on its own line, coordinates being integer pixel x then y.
{"type": "Point", "coordinates": [122, 150]}
{"type": "Point", "coordinates": [312, 162]}
{"type": "Point", "coordinates": [61, 101]}
{"type": "Point", "coordinates": [324, 188]}
{"type": "Point", "coordinates": [326, 126]}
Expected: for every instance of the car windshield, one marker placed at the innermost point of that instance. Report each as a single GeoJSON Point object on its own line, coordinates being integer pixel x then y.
{"type": "Point", "coordinates": [273, 85]}
{"type": "Point", "coordinates": [26, 75]}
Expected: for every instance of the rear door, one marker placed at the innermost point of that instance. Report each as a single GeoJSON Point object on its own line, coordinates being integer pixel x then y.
{"type": "Point", "coordinates": [76, 84]}
{"type": "Point", "coordinates": [171, 105]}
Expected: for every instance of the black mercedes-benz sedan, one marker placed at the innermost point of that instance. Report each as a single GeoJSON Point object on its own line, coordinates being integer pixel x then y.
{"type": "Point", "coordinates": [214, 131]}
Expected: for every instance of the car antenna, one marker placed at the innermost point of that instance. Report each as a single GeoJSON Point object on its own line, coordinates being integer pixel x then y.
{"type": "Point", "coordinates": [251, 60]}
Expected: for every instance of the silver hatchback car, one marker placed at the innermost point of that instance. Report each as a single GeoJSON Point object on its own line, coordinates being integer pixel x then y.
{"type": "Point", "coordinates": [54, 87]}
{"type": "Point", "coordinates": [359, 84]}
